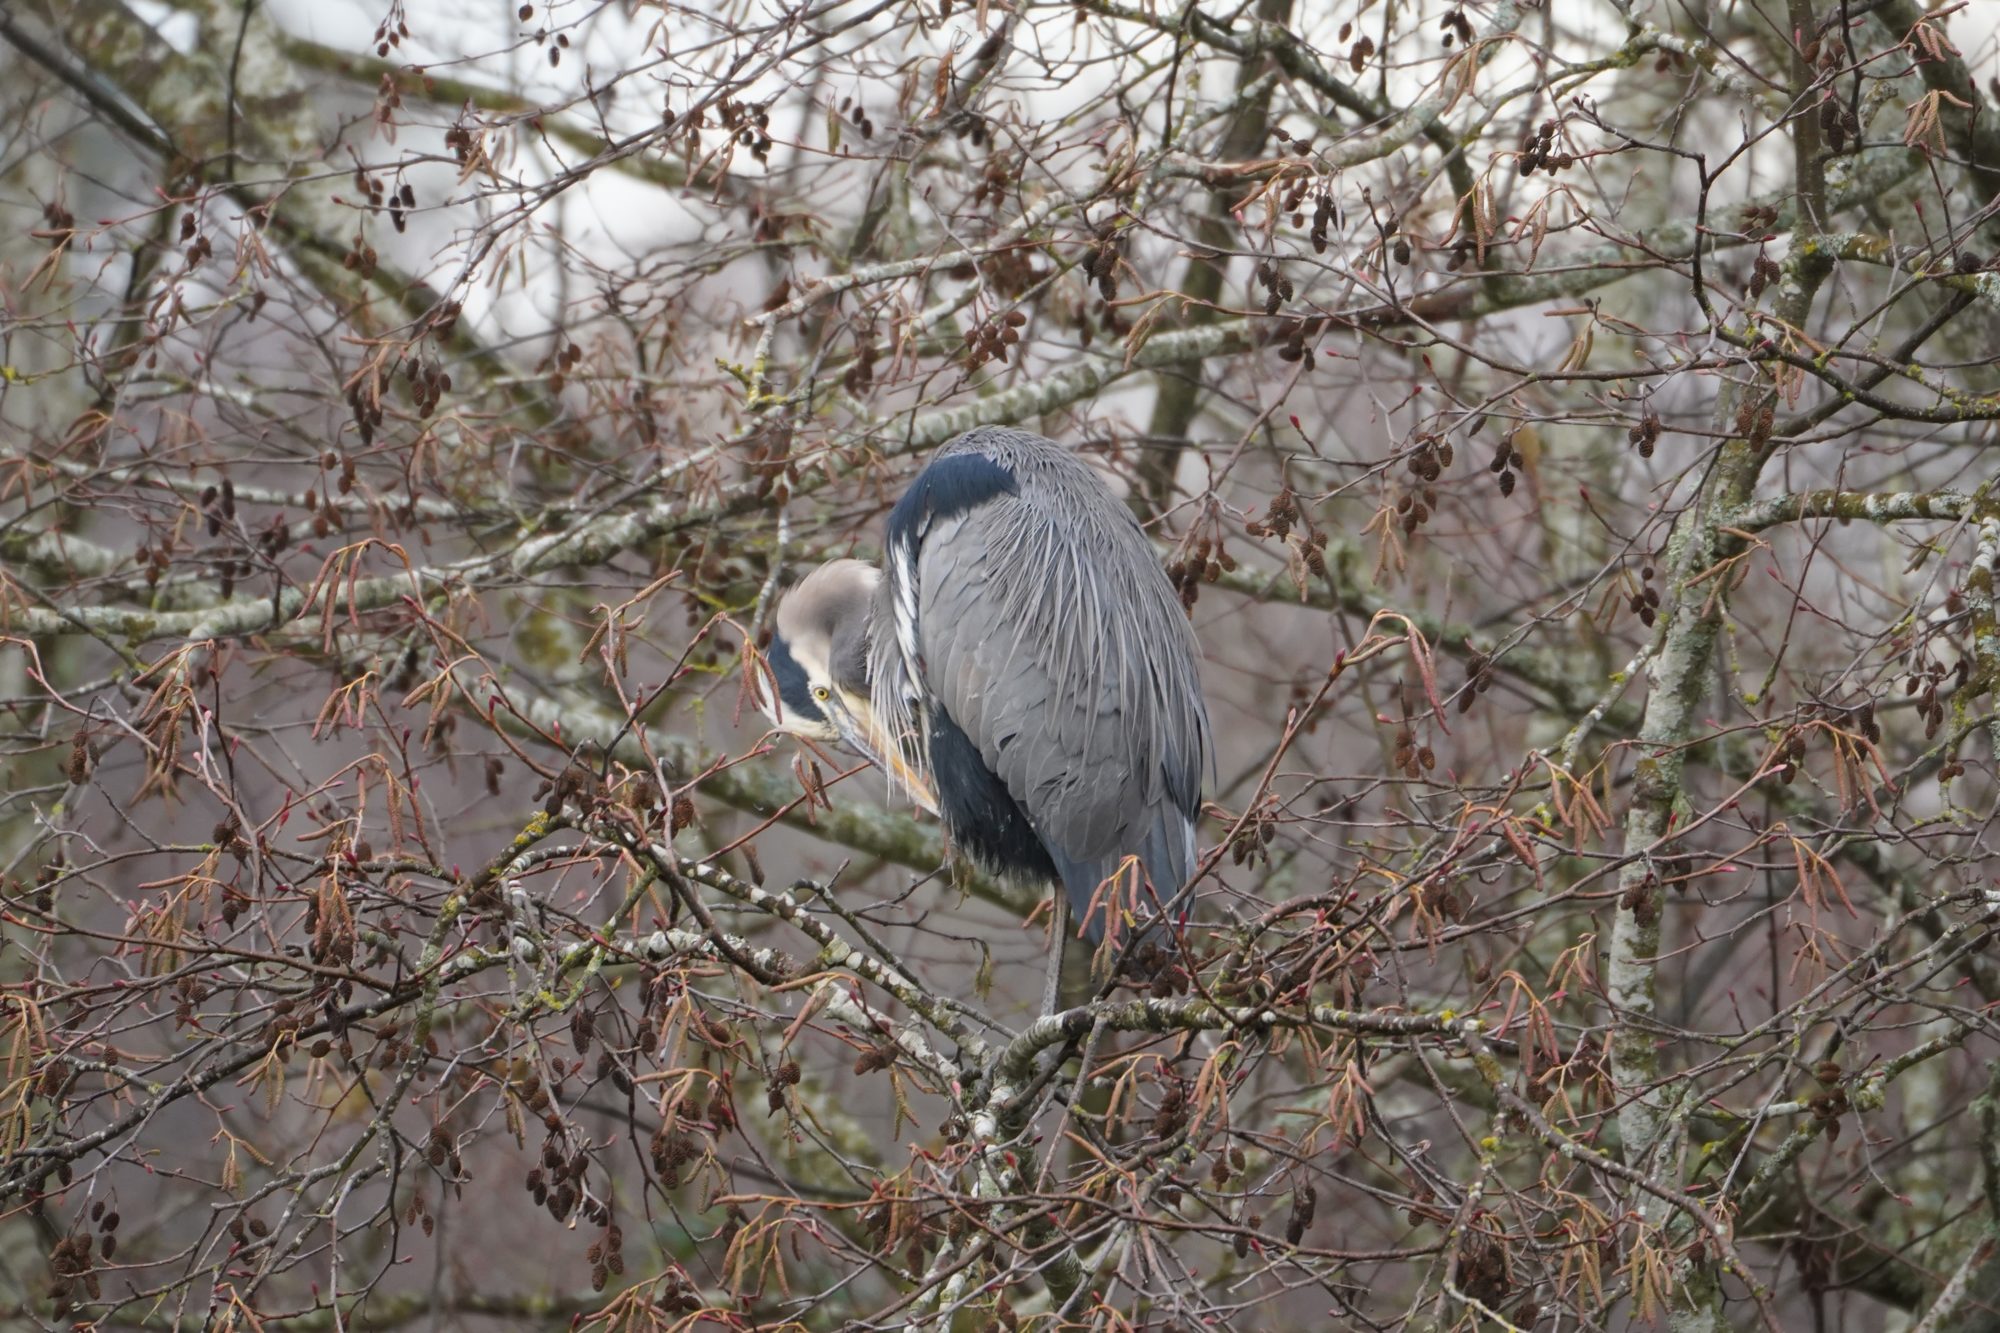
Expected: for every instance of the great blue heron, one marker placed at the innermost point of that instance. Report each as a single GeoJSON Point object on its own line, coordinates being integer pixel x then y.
{"type": "Point", "coordinates": [1022, 667]}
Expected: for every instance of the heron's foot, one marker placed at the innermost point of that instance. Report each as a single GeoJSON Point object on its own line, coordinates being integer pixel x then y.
{"type": "Point", "coordinates": [1049, 1062]}
{"type": "Point", "coordinates": [1048, 1065]}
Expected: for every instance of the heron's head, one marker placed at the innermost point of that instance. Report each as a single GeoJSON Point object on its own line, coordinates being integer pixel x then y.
{"type": "Point", "coordinates": [819, 654]}
{"type": "Point", "coordinates": [819, 657]}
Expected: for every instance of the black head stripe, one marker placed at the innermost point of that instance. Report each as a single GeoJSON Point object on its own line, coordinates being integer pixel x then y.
{"type": "Point", "coordinates": [793, 689]}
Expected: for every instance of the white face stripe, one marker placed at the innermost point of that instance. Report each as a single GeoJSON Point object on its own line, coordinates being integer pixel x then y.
{"type": "Point", "coordinates": [811, 657]}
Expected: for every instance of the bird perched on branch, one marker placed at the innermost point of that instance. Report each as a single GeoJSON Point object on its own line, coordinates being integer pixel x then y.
{"type": "Point", "coordinates": [1022, 667]}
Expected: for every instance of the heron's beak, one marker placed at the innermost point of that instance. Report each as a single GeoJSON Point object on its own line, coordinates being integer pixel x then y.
{"type": "Point", "coordinates": [855, 720]}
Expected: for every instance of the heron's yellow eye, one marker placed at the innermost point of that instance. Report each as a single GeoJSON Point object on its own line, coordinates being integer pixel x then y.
{"type": "Point", "coordinates": [822, 693]}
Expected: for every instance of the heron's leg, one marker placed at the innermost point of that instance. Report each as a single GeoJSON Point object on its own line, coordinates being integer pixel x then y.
{"type": "Point", "coordinates": [1058, 945]}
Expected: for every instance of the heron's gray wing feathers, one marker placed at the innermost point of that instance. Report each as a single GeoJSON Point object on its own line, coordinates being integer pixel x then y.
{"type": "Point", "coordinates": [1049, 632]}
